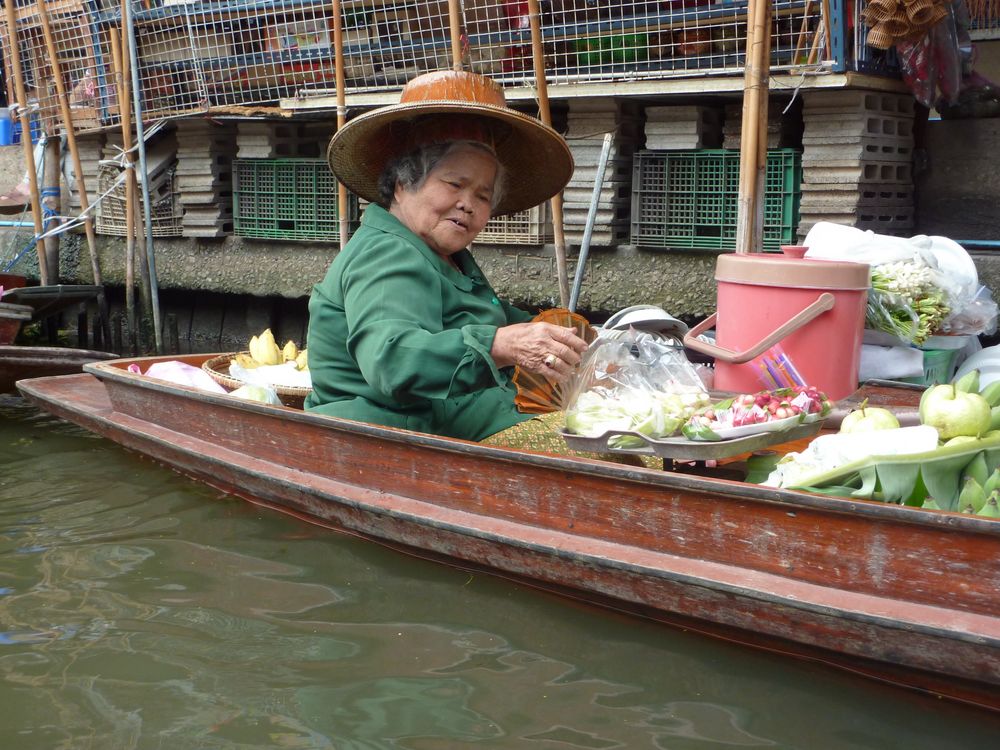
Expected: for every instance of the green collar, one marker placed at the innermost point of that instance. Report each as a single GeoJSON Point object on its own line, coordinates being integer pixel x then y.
{"type": "Point", "coordinates": [378, 218]}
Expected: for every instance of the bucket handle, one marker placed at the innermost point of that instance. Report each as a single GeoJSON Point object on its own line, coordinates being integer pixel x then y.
{"type": "Point", "coordinates": [823, 303]}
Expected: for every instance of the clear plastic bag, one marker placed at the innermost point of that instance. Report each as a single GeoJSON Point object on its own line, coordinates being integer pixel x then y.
{"type": "Point", "coordinates": [933, 63]}
{"type": "Point", "coordinates": [634, 382]}
{"type": "Point", "coordinates": [978, 316]}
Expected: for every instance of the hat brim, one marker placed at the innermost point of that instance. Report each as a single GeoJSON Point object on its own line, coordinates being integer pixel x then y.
{"type": "Point", "coordinates": [536, 159]}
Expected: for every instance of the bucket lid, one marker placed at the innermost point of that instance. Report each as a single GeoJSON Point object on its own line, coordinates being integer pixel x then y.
{"type": "Point", "coordinates": [785, 271]}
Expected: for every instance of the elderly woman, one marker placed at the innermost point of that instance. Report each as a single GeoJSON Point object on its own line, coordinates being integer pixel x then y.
{"type": "Point", "coordinates": [405, 330]}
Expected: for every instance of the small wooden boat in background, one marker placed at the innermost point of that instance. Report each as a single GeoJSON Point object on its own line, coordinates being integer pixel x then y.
{"type": "Point", "coordinates": [12, 317]}
{"type": "Point", "coordinates": [900, 594]}
{"type": "Point", "coordinates": [22, 362]}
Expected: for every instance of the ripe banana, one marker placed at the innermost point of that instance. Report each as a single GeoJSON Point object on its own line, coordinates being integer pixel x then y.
{"type": "Point", "coordinates": [289, 352]}
{"type": "Point", "coordinates": [264, 349]}
{"type": "Point", "coordinates": [302, 360]}
{"type": "Point", "coordinates": [246, 362]}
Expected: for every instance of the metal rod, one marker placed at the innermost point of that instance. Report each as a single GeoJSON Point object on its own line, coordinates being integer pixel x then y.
{"type": "Point", "coordinates": [343, 222]}
{"type": "Point", "coordinates": [154, 290]}
{"type": "Point", "coordinates": [103, 321]}
{"type": "Point", "coordinates": [545, 114]}
{"type": "Point", "coordinates": [24, 115]}
{"type": "Point", "coordinates": [588, 229]}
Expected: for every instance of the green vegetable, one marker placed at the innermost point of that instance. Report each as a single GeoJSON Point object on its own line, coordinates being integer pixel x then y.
{"type": "Point", "coordinates": [912, 478]}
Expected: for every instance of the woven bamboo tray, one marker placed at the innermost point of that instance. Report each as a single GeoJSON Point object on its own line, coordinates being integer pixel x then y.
{"type": "Point", "coordinates": [218, 369]}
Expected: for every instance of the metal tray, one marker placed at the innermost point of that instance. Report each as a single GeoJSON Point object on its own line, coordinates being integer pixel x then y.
{"type": "Point", "coordinates": [681, 449]}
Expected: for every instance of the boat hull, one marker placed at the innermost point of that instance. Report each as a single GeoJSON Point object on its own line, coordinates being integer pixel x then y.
{"type": "Point", "coordinates": [23, 362]}
{"type": "Point", "coordinates": [900, 594]}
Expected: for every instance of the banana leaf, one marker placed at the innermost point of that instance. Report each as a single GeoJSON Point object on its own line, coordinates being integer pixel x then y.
{"type": "Point", "coordinates": [907, 479]}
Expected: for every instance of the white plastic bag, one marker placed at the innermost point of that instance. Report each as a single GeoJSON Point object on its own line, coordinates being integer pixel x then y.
{"type": "Point", "coordinates": [181, 373]}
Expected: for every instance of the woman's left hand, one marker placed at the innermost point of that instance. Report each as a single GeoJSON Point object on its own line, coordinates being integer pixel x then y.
{"type": "Point", "coordinates": [542, 348]}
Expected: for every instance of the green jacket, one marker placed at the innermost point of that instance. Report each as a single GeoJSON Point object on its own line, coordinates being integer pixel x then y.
{"type": "Point", "coordinates": [398, 337]}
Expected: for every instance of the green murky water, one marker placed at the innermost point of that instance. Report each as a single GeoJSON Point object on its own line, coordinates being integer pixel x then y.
{"type": "Point", "coordinates": [142, 610]}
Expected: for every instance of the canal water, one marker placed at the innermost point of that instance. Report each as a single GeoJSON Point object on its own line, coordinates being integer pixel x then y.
{"type": "Point", "coordinates": [139, 609]}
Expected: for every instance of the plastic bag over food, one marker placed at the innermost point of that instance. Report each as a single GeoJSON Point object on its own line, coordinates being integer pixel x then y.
{"type": "Point", "coordinates": [285, 375]}
{"type": "Point", "coordinates": [918, 284]}
{"type": "Point", "coordinates": [181, 373]}
{"type": "Point", "coordinates": [635, 382]}
{"type": "Point", "coordinates": [261, 393]}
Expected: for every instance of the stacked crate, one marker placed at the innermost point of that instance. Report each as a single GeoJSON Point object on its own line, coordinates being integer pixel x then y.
{"type": "Point", "coordinates": [685, 128]}
{"type": "Point", "coordinates": [205, 155]}
{"type": "Point", "coordinates": [263, 139]}
{"type": "Point", "coordinates": [858, 161]}
{"type": "Point", "coordinates": [112, 216]}
{"type": "Point", "coordinates": [90, 148]}
{"type": "Point", "coordinates": [732, 128]}
{"type": "Point", "coordinates": [588, 121]}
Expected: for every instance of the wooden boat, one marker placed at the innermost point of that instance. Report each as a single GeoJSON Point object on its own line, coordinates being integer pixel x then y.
{"type": "Point", "coordinates": [21, 362]}
{"type": "Point", "coordinates": [899, 594]}
{"type": "Point", "coordinates": [12, 317]}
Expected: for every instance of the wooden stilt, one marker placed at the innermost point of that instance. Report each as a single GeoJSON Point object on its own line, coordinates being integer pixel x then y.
{"type": "Point", "coordinates": [124, 115]}
{"type": "Point", "coordinates": [29, 152]}
{"type": "Point", "coordinates": [67, 120]}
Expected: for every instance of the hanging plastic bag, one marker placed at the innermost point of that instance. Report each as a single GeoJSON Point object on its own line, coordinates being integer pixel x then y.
{"type": "Point", "coordinates": [635, 382]}
{"type": "Point", "coordinates": [932, 64]}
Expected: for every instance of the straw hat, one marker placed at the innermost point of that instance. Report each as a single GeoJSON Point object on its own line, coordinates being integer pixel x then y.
{"type": "Point", "coordinates": [454, 105]}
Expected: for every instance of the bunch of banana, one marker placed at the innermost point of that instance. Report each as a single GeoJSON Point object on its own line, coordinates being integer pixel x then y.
{"type": "Point", "coordinates": [291, 353]}
{"type": "Point", "coordinates": [264, 350]}
{"type": "Point", "coordinates": [979, 496]}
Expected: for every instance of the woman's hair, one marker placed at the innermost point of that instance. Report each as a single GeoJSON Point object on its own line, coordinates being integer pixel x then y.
{"type": "Point", "coordinates": [410, 170]}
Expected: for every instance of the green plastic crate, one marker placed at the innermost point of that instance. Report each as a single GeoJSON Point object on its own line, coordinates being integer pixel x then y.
{"type": "Point", "coordinates": [287, 199]}
{"type": "Point", "coordinates": [939, 367]}
{"type": "Point", "coordinates": [688, 199]}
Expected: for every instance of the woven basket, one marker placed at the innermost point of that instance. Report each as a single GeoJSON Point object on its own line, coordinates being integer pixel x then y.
{"type": "Point", "coordinates": [218, 369]}
{"type": "Point", "coordinates": [879, 39]}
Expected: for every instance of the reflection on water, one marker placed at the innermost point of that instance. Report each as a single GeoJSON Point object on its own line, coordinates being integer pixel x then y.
{"type": "Point", "coordinates": [141, 610]}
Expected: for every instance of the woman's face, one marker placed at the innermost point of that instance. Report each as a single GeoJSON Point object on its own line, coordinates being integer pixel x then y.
{"type": "Point", "coordinates": [453, 204]}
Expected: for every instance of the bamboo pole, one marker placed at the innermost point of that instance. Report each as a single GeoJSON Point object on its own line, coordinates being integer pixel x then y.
{"type": "Point", "coordinates": [764, 62]}
{"type": "Point", "coordinates": [545, 114]}
{"type": "Point", "coordinates": [343, 220]}
{"type": "Point", "coordinates": [81, 184]}
{"type": "Point", "coordinates": [133, 221]}
{"type": "Point", "coordinates": [755, 79]}
{"type": "Point", "coordinates": [803, 28]}
{"type": "Point", "coordinates": [128, 29]}
{"type": "Point", "coordinates": [124, 115]}
{"type": "Point", "coordinates": [29, 152]}
{"type": "Point", "coordinates": [455, 24]}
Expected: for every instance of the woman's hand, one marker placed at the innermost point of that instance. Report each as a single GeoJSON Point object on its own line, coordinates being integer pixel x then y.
{"type": "Point", "coordinates": [542, 348]}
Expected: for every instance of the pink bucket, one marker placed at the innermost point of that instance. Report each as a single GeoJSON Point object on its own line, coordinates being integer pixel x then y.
{"type": "Point", "coordinates": [813, 309]}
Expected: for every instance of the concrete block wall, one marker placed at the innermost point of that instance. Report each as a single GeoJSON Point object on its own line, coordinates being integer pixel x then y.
{"type": "Point", "coordinates": [857, 161]}
{"type": "Point", "coordinates": [588, 120]}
